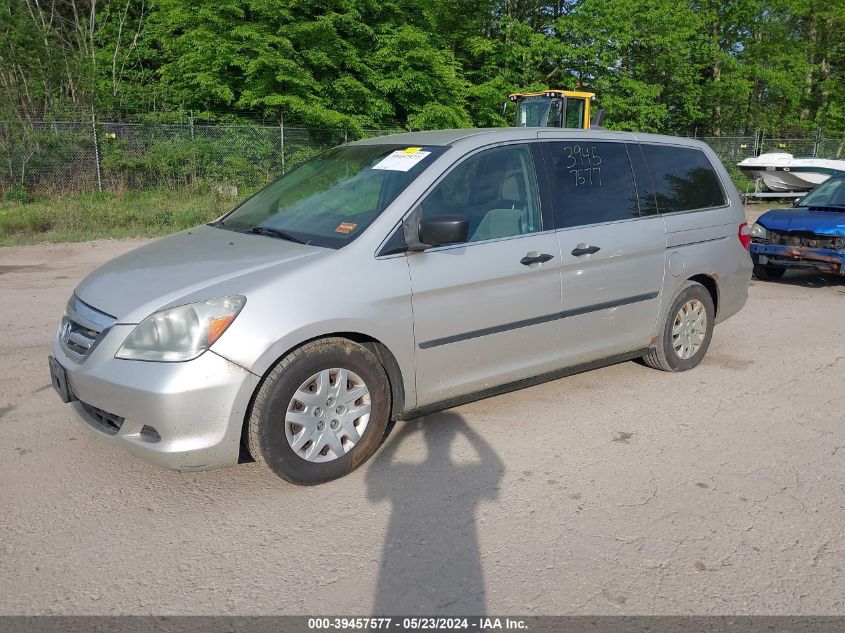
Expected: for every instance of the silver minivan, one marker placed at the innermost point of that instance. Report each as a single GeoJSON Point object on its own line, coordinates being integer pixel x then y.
{"type": "Point", "coordinates": [400, 275]}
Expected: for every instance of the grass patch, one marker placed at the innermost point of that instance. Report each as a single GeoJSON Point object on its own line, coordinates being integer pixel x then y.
{"type": "Point", "coordinates": [90, 216]}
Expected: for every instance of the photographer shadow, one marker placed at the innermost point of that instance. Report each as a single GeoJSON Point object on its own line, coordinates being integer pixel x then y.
{"type": "Point", "coordinates": [431, 560]}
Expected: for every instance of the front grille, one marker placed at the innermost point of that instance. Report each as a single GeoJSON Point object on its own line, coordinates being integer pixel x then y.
{"type": "Point", "coordinates": [110, 422]}
{"type": "Point", "coordinates": [808, 240]}
{"type": "Point", "coordinates": [77, 338]}
{"type": "Point", "coordinates": [82, 328]}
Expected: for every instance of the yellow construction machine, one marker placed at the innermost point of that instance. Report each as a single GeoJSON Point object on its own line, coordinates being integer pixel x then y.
{"type": "Point", "coordinates": [555, 108]}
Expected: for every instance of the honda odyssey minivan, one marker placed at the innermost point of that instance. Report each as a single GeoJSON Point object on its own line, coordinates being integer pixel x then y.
{"type": "Point", "coordinates": [396, 276]}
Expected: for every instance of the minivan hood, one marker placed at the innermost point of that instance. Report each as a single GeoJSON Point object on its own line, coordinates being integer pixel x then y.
{"type": "Point", "coordinates": [806, 220]}
{"type": "Point", "coordinates": [134, 285]}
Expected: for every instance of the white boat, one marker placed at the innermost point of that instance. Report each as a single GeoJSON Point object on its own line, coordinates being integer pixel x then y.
{"type": "Point", "coordinates": [782, 172]}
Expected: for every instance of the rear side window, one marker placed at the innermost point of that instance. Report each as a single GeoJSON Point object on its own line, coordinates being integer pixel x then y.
{"type": "Point", "coordinates": [590, 183]}
{"type": "Point", "coordinates": [683, 177]}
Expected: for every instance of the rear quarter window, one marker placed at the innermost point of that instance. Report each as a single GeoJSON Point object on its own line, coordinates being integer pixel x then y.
{"type": "Point", "coordinates": [683, 178]}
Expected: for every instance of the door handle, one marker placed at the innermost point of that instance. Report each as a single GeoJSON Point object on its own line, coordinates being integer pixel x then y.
{"type": "Point", "coordinates": [583, 249]}
{"type": "Point", "coordinates": [534, 258]}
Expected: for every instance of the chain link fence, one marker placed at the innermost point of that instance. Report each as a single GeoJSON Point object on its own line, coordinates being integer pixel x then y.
{"type": "Point", "coordinates": [831, 148]}
{"type": "Point", "coordinates": [59, 157]}
{"type": "Point", "coordinates": [732, 149]}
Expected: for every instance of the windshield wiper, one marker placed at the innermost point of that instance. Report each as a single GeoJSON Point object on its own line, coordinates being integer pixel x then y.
{"type": "Point", "coordinates": [271, 232]}
{"type": "Point", "coordinates": [217, 224]}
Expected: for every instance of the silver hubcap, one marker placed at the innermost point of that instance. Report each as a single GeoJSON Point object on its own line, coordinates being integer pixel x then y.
{"type": "Point", "coordinates": [327, 415]}
{"type": "Point", "coordinates": [689, 329]}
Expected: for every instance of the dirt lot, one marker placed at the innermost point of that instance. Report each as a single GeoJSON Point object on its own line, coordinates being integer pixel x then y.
{"type": "Point", "coordinates": [620, 491]}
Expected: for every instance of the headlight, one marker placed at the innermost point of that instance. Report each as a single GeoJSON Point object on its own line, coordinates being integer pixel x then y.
{"type": "Point", "coordinates": [759, 231]}
{"type": "Point", "coordinates": [181, 333]}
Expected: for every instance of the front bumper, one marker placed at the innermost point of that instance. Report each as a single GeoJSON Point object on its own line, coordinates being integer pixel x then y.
{"type": "Point", "coordinates": [821, 259]}
{"type": "Point", "coordinates": [184, 416]}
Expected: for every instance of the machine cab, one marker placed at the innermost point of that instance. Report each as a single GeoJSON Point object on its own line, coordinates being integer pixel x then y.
{"type": "Point", "coordinates": [553, 108]}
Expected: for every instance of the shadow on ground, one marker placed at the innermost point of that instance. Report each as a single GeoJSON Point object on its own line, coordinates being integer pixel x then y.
{"type": "Point", "coordinates": [431, 561]}
{"type": "Point", "coordinates": [807, 279]}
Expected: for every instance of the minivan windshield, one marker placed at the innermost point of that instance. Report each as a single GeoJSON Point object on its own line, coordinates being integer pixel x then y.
{"type": "Point", "coordinates": [330, 200]}
{"type": "Point", "coordinates": [830, 193]}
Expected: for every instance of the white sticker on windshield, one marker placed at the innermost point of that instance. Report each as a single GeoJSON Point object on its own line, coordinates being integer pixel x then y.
{"type": "Point", "coordinates": [401, 159]}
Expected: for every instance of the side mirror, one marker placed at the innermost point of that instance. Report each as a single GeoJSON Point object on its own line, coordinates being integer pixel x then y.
{"type": "Point", "coordinates": [441, 230]}
{"type": "Point", "coordinates": [503, 108]}
{"type": "Point", "coordinates": [598, 118]}
{"type": "Point", "coordinates": [797, 202]}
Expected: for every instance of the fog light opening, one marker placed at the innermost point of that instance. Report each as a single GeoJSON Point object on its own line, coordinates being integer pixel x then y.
{"type": "Point", "coordinates": [150, 434]}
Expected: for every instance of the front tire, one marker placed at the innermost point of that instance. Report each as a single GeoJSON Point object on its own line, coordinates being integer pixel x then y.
{"type": "Point", "coordinates": [321, 412]}
{"type": "Point", "coordinates": [764, 272]}
{"type": "Point", "coordinates": [686, 332]}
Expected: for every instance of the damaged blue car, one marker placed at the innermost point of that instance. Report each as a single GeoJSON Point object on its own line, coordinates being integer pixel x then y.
{"type": "Point", "coordinates": [811, 235]}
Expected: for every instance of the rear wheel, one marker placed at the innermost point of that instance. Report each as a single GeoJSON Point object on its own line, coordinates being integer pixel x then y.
{"type": "Point", "coordinates": [321, 412]}
{"type": "Point", "coordinates": [686, 332]}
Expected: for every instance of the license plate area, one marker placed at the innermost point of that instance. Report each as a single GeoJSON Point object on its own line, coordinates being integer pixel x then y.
{"type": "Point", "coordinates": [58, 376]}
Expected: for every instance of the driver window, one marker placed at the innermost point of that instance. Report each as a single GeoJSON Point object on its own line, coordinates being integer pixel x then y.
{"type": "Point", "coordinates": [495, 189]}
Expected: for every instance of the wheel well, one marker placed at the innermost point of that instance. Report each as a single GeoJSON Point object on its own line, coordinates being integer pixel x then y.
{"type": "Point", "coordinates": [388, 361]}
{"type": "Point", "coordinates": [385, 356]}
{"type": "Point", "coordinates": [712, 287]}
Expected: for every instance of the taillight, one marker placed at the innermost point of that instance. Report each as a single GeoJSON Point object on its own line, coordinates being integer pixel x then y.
{"type": "Point", "coordinates": [745, 236]}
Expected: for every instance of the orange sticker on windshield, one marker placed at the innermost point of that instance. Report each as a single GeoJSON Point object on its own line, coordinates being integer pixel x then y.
{"type": "Point", "coordinates": [345, 227]}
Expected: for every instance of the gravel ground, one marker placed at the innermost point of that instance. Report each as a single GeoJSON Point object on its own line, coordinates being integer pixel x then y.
{"type": "Point", "coordinates": [619, 491]}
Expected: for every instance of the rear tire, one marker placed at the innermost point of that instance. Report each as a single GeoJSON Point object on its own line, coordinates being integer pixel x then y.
{"type": "Point", "coordinates": [290, 393]}
{"type": "Point", "coordinates": [764, 272]}
{"type": "Point", "coordinates": [686, 331]}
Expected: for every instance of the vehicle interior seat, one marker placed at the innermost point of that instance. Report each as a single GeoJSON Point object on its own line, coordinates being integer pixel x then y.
{"type": "Point", "coordinates": [493, 195]}
{"type": "Point", "coordinates": [498, 223]}
{"type": "Point", "coordinates": [510, 215]}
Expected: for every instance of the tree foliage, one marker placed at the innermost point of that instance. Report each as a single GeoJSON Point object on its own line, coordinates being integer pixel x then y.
{"type": "Point", "coordinates": [656, 65]}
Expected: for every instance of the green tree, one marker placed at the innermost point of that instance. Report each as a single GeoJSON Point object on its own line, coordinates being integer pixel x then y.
{"type": "Point", "coordinates": [657, 66]}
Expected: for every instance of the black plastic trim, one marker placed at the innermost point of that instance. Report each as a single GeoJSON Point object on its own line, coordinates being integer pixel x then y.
{"type": "Point", "coordinates": [496, 329]}
{"type": "Point", "coordinates": [108, 422]}
{"type": "Point", "coordinates": [514, 325]}
{"type": "Point", "coordinates": [608, 304]}
{"type": "Point", "coordinates": [707, 241]}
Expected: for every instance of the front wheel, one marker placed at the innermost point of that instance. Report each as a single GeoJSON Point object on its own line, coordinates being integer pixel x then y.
{"type": "Point", "coordinates": [321, 412]}
{"type": "Point", "coordinates": [764, 272]}
{"type": "Point", "coordinates": [686, 332]}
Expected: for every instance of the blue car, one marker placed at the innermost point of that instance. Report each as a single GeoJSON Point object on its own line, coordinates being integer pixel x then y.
{"type": "Point", "coordinates": [810, 236]}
